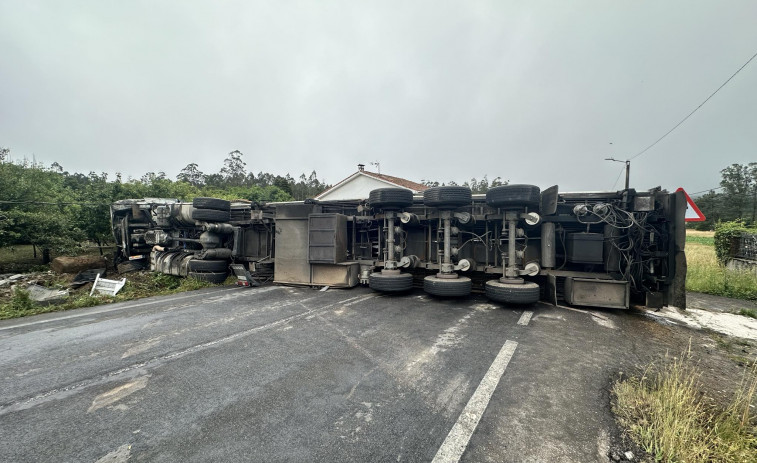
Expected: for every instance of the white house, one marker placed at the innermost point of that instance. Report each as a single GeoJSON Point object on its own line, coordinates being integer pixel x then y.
{"type": "Point", "coordinates": [360, 184]}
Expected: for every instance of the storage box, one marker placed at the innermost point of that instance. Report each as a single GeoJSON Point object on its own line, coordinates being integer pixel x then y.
{"type": "Point", "coordinates": [584, 248]}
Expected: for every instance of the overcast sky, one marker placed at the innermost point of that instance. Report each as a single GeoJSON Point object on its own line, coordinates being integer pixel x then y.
{"type": "Point", "coordinates": [533, 92]}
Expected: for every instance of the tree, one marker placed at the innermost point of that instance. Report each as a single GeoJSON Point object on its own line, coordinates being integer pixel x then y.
{"type": "Point", "coordinates": [307, 187]}
{"type": "Point", "coordinates": [192, 175]}
{"type": "Point", "coordinates": [283, 184]}
{"type": "Point", "coordinates": [151, 177]}
{"type": "Point", "coordinates": [233, 171]}
{"type": "Point", "coordinates": [483, 185]}
{"type": "Point", "coordinates": [711, 205]}
{"type": "Point", "coordinates": [92, 214]}
{"type": "Point", "coordinates": [37, 208]}
{"type": "Point", "coordinates": [739, 183]}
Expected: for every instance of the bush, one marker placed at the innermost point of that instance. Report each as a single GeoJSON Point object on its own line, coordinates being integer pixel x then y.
{"type": "Point", "coordinates": [727, 235]}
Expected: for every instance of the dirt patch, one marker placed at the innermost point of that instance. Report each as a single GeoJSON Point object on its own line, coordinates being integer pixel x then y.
{"type": "Point", "coordinates": [74, 265]}
{"type": "Point", "coordinates": [722, 361]}
{"type": "Point", "coordinates": [717, 303]}
{"type": "Point", "coordinates": [721, 322]}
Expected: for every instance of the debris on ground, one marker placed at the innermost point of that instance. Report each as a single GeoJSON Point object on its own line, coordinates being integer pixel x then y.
{"type": "Point", "coordinates": [718, 303]}
{"type": "Point", "coordinates": [107, 287]}
{"type": "Point", "coordinates": [46, 296]}
{"type": "Point", "coordinates": [87, 276]}
{"type": "Point", "coordinates": [65, 264]}
{"type": "Point", "coordinates": [10, 278]}
{"type": "Point", "coordinates": [9, 281]}
{"type": "Point", "coordinates": [722, 322]}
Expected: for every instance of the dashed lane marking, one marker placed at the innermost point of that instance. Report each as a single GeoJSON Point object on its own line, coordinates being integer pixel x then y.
{"type": "Point", "coordinates": [457, 440]}
{"type": "Point", "coordinates": [525, 318]}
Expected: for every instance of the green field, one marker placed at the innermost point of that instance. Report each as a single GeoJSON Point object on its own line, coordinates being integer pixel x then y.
{"type": "Point", "coordinates": [706, 275]}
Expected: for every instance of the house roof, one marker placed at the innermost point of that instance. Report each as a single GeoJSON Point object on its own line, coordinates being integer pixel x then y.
{"type": "Point", "coordinates": [398, 181]}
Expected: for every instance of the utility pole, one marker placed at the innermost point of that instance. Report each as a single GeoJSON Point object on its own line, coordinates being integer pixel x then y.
{"type": "Point", "coordinates": [628, 168]}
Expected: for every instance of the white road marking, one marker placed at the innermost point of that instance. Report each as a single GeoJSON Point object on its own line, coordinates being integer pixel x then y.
{"type": "Point", "coordinates": [116, 394]}
{"type": "Point", "coordinates": [606, 322]}
{"type": "Point", "coordinates": [457, 440]}
{"type": "Point", "coordinates": [142, 347]}
{"type": "Point", "coordinates": [362, 299]}
{"type": "Point", "coordinates": [351, 299]}
{"type": "Point", "coordinates": [120, 455]}
{"type": "Point", "coordinates": [525, 318]}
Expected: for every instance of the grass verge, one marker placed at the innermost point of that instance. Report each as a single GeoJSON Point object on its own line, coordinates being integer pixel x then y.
{"type": "Point", "coordinates": [706, 275]}
{"type": "Point", "coordinates": [138, 285]}
{"type": "Point", "coordinates": [663, 410]}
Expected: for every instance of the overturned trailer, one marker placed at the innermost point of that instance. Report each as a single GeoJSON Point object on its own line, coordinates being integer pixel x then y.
{"type": "Point", "coordinates": [516, 243]}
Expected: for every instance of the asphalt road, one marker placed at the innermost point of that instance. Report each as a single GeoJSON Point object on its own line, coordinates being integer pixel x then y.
{"type": "Point", "coordinates": [294, 374]}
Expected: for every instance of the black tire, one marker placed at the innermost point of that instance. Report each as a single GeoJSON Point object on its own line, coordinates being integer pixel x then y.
{"type": "Point", "coordinates": [514, 196]}
{"type": "Point", "coordinates": [210, 215]}
{"type": "Point", "coordinates": [390, 198]}
{"type": "Point", "coordinates": [447, 197]}
{"type": "Point", "coordinates": [390, 283]}
{"type": "Point", "coordinates": [513, 293]}
{"type": "Point", "coordinates": [211, 203]}
{"type": "Point", "coordinates": [132, 266]}
{"type": "Point", "coordinates": [197, 265]}
{"type": "Point", "coordinates": [447, 287]}
{"type": "Point", "coordinates": [211, 277]}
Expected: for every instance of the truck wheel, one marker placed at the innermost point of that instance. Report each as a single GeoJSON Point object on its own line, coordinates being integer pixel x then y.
{"type": "Point", "coordinates": [513, 293]}
{"type": "Point", "coordinates": [211, 277]}
{"type": "Point", "coordinates": [449, 287]}
{"type": "Point", "coordinates": [390, 198]}
{"type": "Point", "coordinates": [390, 283]}
{"type": "Point", "coordinates": [196, 265]}
{"type": "Point", "coordinates": [210, 215]}
{"type": "Point", "coordinates": [514, 196]}
{"type": "Point", "coordinates": [447, 197]}
{"type": "Point", "coordinates": [211, 203]}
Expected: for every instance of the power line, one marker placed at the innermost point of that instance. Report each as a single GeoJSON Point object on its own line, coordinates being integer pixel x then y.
{"type": "Point", "coordinates": [709, 189]}
{"type": "Point", "coordinates": [695, 110]}
{"type": "Point", "coordinates": [616, 180]}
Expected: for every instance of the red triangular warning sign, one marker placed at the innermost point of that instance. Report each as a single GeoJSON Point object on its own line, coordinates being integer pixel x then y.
{"type": "Point", "coordinates": [693, 214]}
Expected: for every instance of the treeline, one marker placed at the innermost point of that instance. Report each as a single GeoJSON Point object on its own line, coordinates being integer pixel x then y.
{"type": "Point", "coordinates": [734, 200]}
{"type": "Point", "coordinates": [55, 210]}
{"type": "Point", "coordinates": [476, 186]}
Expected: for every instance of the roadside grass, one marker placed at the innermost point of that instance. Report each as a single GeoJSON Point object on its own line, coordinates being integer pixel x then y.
{"type": "Point", "coordinates": [138, 285]}
{"type": "Point", "coordinates": [748, 313]}
{"type": "Point", "coordinates": [663, 411]}
{"type": "Point", "coordinates": [706, 275]}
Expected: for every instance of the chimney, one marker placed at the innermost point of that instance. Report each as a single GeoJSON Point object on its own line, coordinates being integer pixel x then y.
{"type": "Point", "coordinates": [360, 167]}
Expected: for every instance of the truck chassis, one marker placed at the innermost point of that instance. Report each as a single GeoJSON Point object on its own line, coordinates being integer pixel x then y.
{"type": "Point", "coordinates": [516, 243]}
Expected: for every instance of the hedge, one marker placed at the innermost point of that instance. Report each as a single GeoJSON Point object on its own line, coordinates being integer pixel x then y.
{"type": "Point", "coordinates": [727, 236]}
